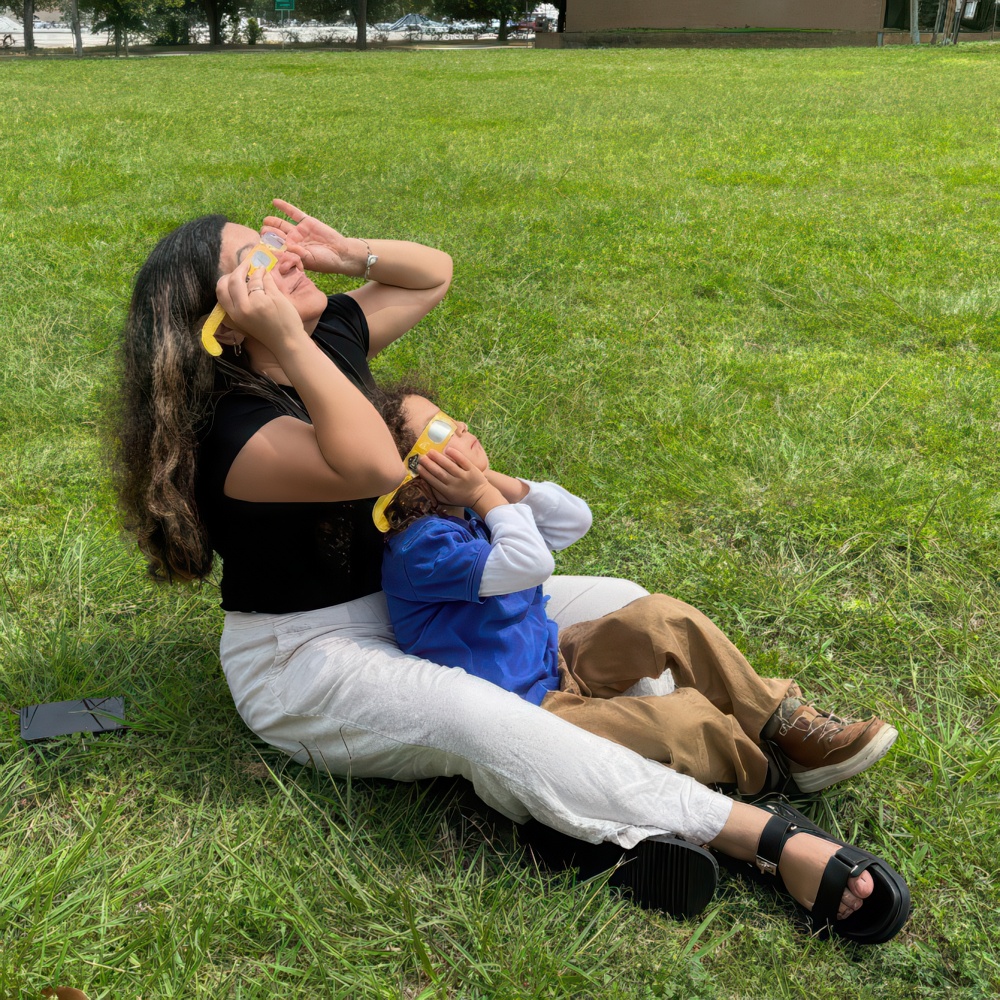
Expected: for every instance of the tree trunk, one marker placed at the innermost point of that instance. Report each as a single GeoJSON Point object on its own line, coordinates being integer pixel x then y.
{"type": "Point", "coordinates": [29, 27]}
{"type": "Point", "coordinates": [213, 14]}
{"type": "Point", "coordinates": [915, 21]}
{"type": "Point", "coordinates": [361, 21]}
{"type": "Point", "coordinates": [504, 30]}
{"type": "Point", "coordinates": [118, 41]}
{"type": "Point", "coordinates": [561, 22]}
{"type": "Point", "coordinates": [74, 18]}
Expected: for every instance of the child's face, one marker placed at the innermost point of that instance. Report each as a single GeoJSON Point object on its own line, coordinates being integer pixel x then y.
{"type": "Point", "coordinates": [420, 412]}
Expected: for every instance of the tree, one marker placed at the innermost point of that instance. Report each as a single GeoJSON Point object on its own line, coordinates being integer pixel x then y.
{"type": "Point", "coordinates": [168, 22]}
{"type": "Point", "coordinates": [215, 11]}
{"type": "Point", "coordinates": [29, 27]}
{"type": "Point", "coordinates": [74, 22]}
{"type": "Point", "coordinates": [367, 12]}
{"type": "Point", "coordinates": [120, 17]}
{"type": "Point", "coordinates": [360, 10]}
{"type": "Point", "coordinates": [480, 10]}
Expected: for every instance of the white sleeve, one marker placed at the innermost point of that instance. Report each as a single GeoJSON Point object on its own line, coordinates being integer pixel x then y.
{"type": "Point", "coordinates": [520, 558]}
{"type": "Point", "coordinates": [560, 517]}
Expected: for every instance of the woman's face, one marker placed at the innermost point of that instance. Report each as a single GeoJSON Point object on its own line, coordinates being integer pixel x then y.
{"type": "Point", "coordinates": [288, 273]}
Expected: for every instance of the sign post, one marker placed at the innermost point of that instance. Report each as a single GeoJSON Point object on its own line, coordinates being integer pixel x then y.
{"type": "Point", "coordinates": [284, 6]}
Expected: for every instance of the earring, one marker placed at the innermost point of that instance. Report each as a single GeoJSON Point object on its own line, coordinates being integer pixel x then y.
{"type": "Point", "coordinates": [238, 348]}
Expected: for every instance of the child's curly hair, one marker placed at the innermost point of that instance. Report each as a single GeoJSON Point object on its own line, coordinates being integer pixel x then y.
{"type": "Point", "coordinates": [415, 499]}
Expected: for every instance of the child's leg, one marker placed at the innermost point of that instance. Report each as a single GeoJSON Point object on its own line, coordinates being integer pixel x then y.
{"type": "Point", "coordinates": [655, 633]}
{"type": "Point", "coordinates": [683, 730]}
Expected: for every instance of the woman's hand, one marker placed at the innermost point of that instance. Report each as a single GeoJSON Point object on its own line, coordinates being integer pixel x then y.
{"type": "Point", "coordinates": [457, 482]}
{"type": "Point", "coordinates": [257, 307]}
{"type": "Point", "coordinates": [320, 246]}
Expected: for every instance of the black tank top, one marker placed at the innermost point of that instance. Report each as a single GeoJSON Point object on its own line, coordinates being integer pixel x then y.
{"type": "Point", "coordinates": [284, 557]}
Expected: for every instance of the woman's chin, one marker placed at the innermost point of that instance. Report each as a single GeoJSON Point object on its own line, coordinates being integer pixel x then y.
{"type": "Point", "coordinates": [310, 304]}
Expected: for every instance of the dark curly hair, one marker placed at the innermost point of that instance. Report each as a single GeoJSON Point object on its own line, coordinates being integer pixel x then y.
{"type": "Point", "coordinates": [415, 499]}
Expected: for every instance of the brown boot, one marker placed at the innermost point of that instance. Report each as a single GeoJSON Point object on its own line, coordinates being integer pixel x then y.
{"type": "Point", "coordinates": [822, 749]}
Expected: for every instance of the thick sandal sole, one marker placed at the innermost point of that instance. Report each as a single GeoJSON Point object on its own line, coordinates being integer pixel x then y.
{"type": "Point", "coordinates": [881, 916]}
{"type": "Point", "coordinates": [663, 874]}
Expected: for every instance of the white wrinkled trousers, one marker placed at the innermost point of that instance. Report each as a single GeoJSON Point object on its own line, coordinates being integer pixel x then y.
{"type": "Point", "coordinates": [330, 687]}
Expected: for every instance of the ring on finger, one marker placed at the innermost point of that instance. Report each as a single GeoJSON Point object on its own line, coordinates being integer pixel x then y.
{"type": "Point", "coordinates": [252, 290]}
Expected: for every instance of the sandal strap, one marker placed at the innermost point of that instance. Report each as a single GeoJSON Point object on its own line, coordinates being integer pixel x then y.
{"type": "Point", "coordinates": [772, 843]}
{"type": "Point", "coordinates": [846, 864]}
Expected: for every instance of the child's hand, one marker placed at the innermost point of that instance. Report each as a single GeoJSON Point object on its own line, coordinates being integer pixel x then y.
{"type": "Point", "coordinates": [457, 482]}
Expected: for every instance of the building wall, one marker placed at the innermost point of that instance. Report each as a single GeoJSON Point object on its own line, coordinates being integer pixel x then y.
{"type": "Point", "coordinates": [844, 15]}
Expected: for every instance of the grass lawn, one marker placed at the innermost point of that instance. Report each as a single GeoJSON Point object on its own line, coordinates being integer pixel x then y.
{"type": "Point", "coordinates": [746, 303]}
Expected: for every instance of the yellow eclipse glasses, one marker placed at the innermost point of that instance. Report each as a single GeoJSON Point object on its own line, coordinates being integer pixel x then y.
{"type": "Point", "coordinates": [264, 255]}
{"type": "Point", "coordinates": [434, 437]}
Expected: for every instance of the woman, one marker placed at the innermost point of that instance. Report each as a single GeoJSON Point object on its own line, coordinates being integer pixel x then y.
{"type": "Point", "coordinates": [272, 454]}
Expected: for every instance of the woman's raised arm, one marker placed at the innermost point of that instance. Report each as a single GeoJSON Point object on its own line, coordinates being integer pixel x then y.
{"type": "Point", "coordinates": [346, 453]}
{"type": "Point", "coordinates": [405, 280]}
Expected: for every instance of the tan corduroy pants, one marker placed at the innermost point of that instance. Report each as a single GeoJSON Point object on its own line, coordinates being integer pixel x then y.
{"type": "Point", "coordinates": [709, 727]}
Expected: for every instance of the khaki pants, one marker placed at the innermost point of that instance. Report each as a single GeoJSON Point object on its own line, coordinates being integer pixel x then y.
{"type": "Point", "coordinates": [709, 727]}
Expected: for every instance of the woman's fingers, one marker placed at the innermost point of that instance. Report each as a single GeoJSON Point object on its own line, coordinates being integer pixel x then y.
{"type": "Point", "coordinates": [228, 287]}
{"type": "Point", "coordinates": [244, 295]}
{"type": "Point", "coordinates": [293, 213]}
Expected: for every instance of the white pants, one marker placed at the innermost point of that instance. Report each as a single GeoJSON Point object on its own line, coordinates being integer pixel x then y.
{"type": "Point", "coordinates": [331, 688]}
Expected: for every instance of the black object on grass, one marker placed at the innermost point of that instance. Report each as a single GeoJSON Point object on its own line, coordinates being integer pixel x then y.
{"type": "Point", "coordinates": [60, 718]}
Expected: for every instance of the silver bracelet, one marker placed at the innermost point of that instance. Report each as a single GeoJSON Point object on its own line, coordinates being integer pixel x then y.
{"type": "Point", "coordinates": [372, 258]}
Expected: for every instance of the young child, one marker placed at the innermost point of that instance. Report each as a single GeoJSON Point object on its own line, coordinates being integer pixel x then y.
{"type": "Point", "coordinates": [467, 552]}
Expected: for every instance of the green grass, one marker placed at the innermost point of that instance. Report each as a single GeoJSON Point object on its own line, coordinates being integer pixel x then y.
{"type": "Point", "coordinates": [747, 303]}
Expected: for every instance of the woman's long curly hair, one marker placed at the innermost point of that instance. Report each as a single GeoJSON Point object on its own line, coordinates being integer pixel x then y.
{"type": "Point", "coordinates": [167, 385]}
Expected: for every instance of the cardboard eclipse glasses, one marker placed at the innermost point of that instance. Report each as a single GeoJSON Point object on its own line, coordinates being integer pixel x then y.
{"type": "Point", "coordinates": [264, 255]}
{"type": "Point", "coordinates": [434, 437]}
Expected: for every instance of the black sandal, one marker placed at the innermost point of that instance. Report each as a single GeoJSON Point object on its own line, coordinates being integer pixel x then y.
{"type": "Point", "coordinates": [880, 917]}
{"type": "Point", "coordinates": [665, 874]}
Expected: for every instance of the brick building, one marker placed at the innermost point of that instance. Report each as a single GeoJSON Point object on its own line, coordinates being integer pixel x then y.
{"type": "Point", "coordinates": [763, 23]}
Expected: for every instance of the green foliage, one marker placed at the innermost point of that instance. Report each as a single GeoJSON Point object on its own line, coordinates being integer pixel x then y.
{"type": "Point", "coordinates": [169, 23]}
{"type": "Point", "coordinates": [477, 10]}
{"type": "Point", "coordinates": [716, 293]}
{"type": "Point", "coordinates": [254, 31]}
{"type": "Point", "coordinates": [120, 17]}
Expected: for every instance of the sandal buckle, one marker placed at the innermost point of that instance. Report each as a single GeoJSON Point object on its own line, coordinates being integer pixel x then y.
{"type": "Point", "coordinates": [767, 867]}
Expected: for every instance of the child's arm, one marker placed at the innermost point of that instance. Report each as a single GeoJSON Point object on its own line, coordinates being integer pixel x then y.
{"type": "Point", "coordinates": [560, 517]}
{"type": "Point", "coordinates": [519, 557]}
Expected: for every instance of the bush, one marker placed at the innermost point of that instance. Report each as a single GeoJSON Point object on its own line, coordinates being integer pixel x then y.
{"type": "Point", "coordinates": [254, 31]}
